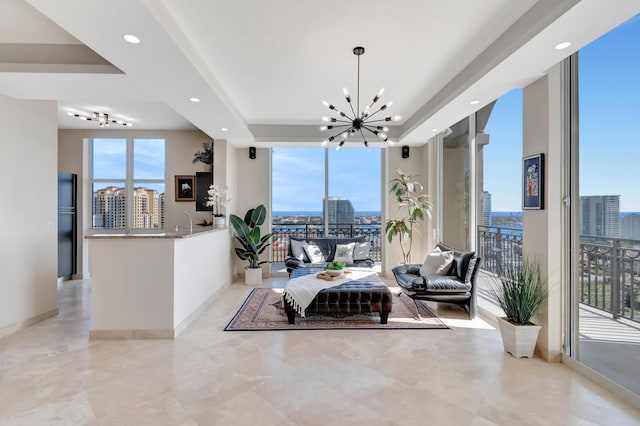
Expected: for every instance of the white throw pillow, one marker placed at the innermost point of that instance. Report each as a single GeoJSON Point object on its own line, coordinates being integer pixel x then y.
{"type": "Point", "coordinates": [362, 251]}
{"type": "Point", "coordinates": [314, 253]}
{"type": "Point", "coordinates": [437, 263]}
{"type": "Point", "coordinates": [297, 248]}
{"type": "Point", "coordinates": [344, 253]}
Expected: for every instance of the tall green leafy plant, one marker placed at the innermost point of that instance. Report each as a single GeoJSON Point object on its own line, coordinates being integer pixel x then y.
{"type": "Point", "coordinates": [520, 291]}
{"type": "Point", "coordinates": [205, 155]}
{"type": "Point", "coordinates": [248, 235]}
{"type": "Point", "coordinates": [415, 207]}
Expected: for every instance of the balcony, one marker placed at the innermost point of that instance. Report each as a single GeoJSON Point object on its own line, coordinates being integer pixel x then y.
{"type": "Point", "coordinates": [609, 289]}
{"type": "Point", "coordinates": [371, 233]}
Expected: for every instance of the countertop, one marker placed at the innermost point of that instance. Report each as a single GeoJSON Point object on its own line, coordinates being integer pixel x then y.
{"type": "Point", "coordinates": [183, 233]}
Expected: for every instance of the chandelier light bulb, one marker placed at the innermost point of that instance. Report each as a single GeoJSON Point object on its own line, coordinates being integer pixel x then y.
{"type": "Point", "coordinates": [325, 142]}
{"type": "Point", "coordinates": [323, 128]}
{"type": "Point", "coordinates": [345, 135]}
{"type": "Point", "coordinates": [381, 91]}
{"type": "Point", "coordinates": [396, 118]}
{"type": "Point", "coordinates": [325, 103]}
{"type": "Point", "coordinates": [366, 144]}
{"type": "Point", "coordinates": [325, 119]}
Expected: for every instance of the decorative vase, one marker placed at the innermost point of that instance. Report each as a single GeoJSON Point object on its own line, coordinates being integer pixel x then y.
{"type": "Point", "coordinates": [219, 221]}
{"type": "Point", "coordinates": [252, 276]}
{"type": "Point", "coordinates": [519, 340]}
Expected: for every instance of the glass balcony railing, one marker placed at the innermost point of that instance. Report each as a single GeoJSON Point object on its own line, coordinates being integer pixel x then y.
{"type": "Point", "coordinates": [371, 233]}
{"type": "Point", "coordinates": [609, 268]}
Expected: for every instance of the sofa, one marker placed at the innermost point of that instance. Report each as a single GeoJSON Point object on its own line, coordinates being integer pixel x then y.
{"type": "Point", "coordinates": [318, 252]}
{"type": "Point", "coordinates": [457, 284]}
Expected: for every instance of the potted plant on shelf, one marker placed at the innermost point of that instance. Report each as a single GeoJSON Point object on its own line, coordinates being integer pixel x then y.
{"type": "Point", "coordinates": [252, 243]}
{"type": "Point", "coordinates": [217, 198]}
{"type": "Point", "coordinates": [520, 292]}
{"type": "Point", "coordinates": [407, 192]}
{"type": "Point", "coordinates": [204, 156]}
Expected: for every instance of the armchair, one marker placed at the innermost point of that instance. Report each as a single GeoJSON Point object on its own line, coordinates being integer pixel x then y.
{"type": "Point", "coordinates": [457, 286]}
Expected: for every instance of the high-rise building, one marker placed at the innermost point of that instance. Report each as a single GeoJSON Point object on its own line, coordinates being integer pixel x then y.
{"type": "Point", "coordinates": [630, 227]}
{"type": "Point", "coordinates": [340, 210]}
{"type": "Point", "coordinates": [109, 208]}
{"type": "Point", "coordinates": [486, 208]}
{"type": "Point", "coordinates": [600, 215]}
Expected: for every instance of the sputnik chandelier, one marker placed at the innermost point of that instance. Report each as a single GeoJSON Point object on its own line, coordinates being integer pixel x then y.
{"type": "Point", "coordinates": [102, 119]}
{"type": "Point", "coordinates": [361, 123]}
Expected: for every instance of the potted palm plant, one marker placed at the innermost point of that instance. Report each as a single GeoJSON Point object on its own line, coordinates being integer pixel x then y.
{"type": "Point", "coordinates": [251, 242]}
{"type": "Point", "coordinates": [415, 206]}
{"type": "Point", "coordinates": [520, 292]}
{"type": "Point", "coordinates": [204, 156]}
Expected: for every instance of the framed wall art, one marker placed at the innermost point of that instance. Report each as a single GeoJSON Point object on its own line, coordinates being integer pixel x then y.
{"type": "Point", "coordinates": [185, 188]}
{"type": "Point", "coordinates": [533, 182]}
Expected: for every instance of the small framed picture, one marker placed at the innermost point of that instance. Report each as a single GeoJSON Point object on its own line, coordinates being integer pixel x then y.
{"type": "Point", "coordinates": [185, 188]}
{"type": "Point", "coordinates": [533, 182]}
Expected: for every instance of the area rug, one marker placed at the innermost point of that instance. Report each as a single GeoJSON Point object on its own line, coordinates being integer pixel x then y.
{"type": "Point", "coordinates": [263, 310]}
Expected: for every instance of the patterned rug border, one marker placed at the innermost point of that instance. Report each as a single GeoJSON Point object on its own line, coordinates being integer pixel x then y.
{"type": "Point", "coordinates": [427, 314]}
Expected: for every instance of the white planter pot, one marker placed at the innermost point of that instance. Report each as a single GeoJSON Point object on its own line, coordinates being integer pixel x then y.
{"type": "Point", "coordinates": [253, 276]}
{"type": "Point", "coordinates": [518, 340]}
{"type": "Point", "coordinates": [219, 221]}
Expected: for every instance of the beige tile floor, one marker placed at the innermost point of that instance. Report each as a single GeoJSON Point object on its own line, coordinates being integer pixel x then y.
{"type": "Point", "coordinates": [51, 374]}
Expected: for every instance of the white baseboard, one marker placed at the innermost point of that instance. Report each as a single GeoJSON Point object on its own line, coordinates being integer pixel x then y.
{"type": "Point", "coordinates": [20, 325]}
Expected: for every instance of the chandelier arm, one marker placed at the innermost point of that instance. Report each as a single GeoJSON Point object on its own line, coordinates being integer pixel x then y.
{"type": "Point", "coordinates": [370, 129]}
{"type": "Point", "coordinates": [332, 138]}
{"type": "Point", "coordinates": [377, 121]}
{"type": "Point", "coordinates": [374, 113]}
{"type": "Point", "coordinates": [343, 121]}
{"type": "Point", "coordinates": [362, 134]}
{"type": "Point", "coordinates": [352, 110]}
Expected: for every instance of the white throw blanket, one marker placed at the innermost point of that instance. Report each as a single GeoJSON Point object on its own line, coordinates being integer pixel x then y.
{"type": "Point", "coordinates": [299, 292]}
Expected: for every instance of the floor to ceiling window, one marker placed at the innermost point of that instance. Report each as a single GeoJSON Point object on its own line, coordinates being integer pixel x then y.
{"type": "Point", "coordinates": [128, 181]}
{"type": "Point", "coordinates": [499, 181]}
{"type": "Point", "coordinates": [607, 278]}
{"type": "Point", "coordinates": [324, 192]}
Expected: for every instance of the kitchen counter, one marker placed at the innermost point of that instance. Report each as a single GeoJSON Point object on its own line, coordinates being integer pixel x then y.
{"type": "Point", "coordinates": [183, 233]}
{"type": "Point", "coordinates": [153, 285]}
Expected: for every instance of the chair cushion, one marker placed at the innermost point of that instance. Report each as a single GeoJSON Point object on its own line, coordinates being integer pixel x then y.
{"type": "Point", "coordinates": [445, 284]}
{"type": "Point", "coordinates": [437, 263]}
{"type": "Point", "coordinates": [460, 264]}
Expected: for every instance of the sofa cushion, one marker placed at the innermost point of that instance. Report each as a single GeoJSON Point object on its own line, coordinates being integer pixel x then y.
{"type": "Point", "coordinates": [445, 284]}
{"type": "Point", "coordinates": [314, 253]}
{"type": "Point", "coordinates": [362, 251]}
{"type": "Point", "coordinates": [344, 253]}
{"type": "Point", "coordinates": [297, 250]}
{"type": "Point", "coordinates": [437, 263]}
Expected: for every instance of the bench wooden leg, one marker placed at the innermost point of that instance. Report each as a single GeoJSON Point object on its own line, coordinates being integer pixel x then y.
{"type": "Point", "coordinates": [291, 316]}
{"type": "Point", "coordinates": [384, 316]}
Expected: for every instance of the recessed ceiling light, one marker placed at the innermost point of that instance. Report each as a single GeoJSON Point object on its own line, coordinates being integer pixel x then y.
{"type": "Point", "coordinates": [224, 129]}
{"type": "Point", "coordinates": [130, 38]}
{"type": "Point", "coordinates": [195, 100]}
{"type": "Point", "coordinates": [476, 102]}
{"type": "Point", "coordinates": [562, 45]}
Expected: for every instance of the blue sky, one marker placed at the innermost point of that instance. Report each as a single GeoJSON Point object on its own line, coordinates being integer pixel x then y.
{"type": "Point", "coordinates": [609, 106]}
{"type": "Point", "coordinates": [354, 173]}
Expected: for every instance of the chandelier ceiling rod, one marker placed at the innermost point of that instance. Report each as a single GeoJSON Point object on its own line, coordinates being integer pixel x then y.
{"type": "Point", "coordinates": [361, 120]}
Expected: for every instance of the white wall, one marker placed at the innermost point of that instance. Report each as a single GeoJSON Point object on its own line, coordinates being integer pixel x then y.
{"type": "Point", "coordinates": [542, 230]}
{"type": "Point", "coordinates": [414, 165]}
{"type": "Point", "coordinates": [28, 213]}
{"type": "Point", "coordinates": [254, 188]}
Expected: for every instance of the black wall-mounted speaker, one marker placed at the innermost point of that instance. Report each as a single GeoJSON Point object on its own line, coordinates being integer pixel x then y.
{"type": "Point", "coordinates": [252, 152]}
{"type": "Point", "coordinates": [405, 151]}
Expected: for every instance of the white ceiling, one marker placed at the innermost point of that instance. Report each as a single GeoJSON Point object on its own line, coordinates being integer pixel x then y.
{"type": "Point", "coordinates": [262, 68]}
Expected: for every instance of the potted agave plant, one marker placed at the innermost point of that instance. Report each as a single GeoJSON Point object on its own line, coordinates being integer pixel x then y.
{"type": "Point", "coordinates": [252, 243]}
{"type": "Point", "coordinates": [520, 293]}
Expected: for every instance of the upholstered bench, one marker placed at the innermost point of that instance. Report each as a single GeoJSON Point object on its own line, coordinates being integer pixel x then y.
{"type": "Point", "coordinates": [352, 297]}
